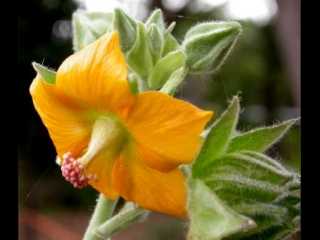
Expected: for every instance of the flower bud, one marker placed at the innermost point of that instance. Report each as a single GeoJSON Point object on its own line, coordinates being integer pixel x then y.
{"type": "Point", "coordinates": [126, 26]}
{"type": "Point", "coordinates": [165, 67]}
{"type": "Point", "coordinates": [208, 44]}
{"type": "Point", "coordinates": [89, 26]}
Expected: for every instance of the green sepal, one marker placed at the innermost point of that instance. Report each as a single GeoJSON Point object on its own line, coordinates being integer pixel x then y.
{"type": "Point", "coordinates": [156, 18]}
{"type": "Point", "coordinates": [165, 67]}
{"type": "Point", "coordinates": [260, 139]}
{"type": "Point", "coordinates": [174, 81]}
{"type": "Point", "coordinates": [89, 26]}
{"type": "Point", "coordinates": [139, 57]}
{"type": "Point", "coordinates": [210, 218]}
{"type": "Point", "coordinates": [127, 28]}
{"type": "Point", "coordinates": [156, 42]}
{"type": "Point", "coordinates": [217, 140]}
{"type": "Point", "coordinates": [208, 44]}
{"type": "Point", "coordinates": [49, 76]}
{"type": "Point", "coordinates": [133, 80]}
{"type": "Point", "coordinates": [170, 44]}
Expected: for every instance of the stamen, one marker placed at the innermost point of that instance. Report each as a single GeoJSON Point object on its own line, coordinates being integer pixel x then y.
{"type": "Point", "coordinates": [72, 171]}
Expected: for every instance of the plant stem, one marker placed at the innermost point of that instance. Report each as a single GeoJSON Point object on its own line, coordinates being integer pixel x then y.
{"type": "Point", "coordinates": [102, 212]}
{"type": "Point", "coordinates": [128, 215]}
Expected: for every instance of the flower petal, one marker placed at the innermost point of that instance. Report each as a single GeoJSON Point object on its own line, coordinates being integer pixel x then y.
{"type": "Point", "coordinates": [149, 188]}
{"type": "Point", "coordinates": [101, 166]}
{"type": "Point", "coordinates": [168, 128]}
{"type": "Point", "coordinates": [64, 119]}
{"type": "Point", "coordinates": [97, 75]}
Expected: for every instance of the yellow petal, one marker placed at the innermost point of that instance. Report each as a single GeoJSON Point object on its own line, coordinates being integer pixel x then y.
{"type": "Point", "coordinates": [63, 118]}
{"type": "Point", "coordinates": [97, 75]}
{"type": "Point", "coordinates": [101, 166]}
{"type": "Point", "coordinates": [149, 188]}
{"type": "Point", "coordinates": [168, 128]}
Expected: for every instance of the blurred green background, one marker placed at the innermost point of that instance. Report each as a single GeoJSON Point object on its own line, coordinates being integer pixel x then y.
{"type": "Point", "coordinates": [264, 69]}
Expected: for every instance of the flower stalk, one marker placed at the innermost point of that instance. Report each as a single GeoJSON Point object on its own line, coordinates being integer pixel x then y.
{"type": "Point", "coordinates": [103, 211]}
{"type": "Point", "coordinates": [129, 214]}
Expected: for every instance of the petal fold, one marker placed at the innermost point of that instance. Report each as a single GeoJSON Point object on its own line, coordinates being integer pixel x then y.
{"type": "Point", "coordinates": [168, 129]}
{"type": "Point", "coordinates": [64, 118]}
{"type": "Point", "coordinates": [149, 188]}
{"type": "Point", "coordinates": [97, 75]}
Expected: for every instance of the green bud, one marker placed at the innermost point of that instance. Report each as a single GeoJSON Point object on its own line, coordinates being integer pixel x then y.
{"type": "Point", "coordinates": [139, 57]}
{"type": "Point", "coordinates": [165, 67]}
{"type": "Point", "coordinates": [156, 41]}
{"type": "Point", "coordinates": [88, 26]}
{"type": "Point", "coordinates": [156, 18]}
{"type": "Point", "coordinates": [208, 44]}
{"type": "Point", "coordinates": [47, 75]}
{"type": "Point", "coordinates": [126, 26]}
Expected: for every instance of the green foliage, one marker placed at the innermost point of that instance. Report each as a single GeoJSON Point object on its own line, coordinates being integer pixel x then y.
{"type": "Point", "coordinates": [89, 26]}
{"type": "Point", "coordinates": [218, 138]}
{"type": "Point", "coordinates": [210, 218]}
{"type": "Point", "coordinates": [246, 180]}
{"type": "Point", "coordinates": [260, 139]}
{"type": "Point", "coordinates": [208, 44]}
{"type": "Point", "coordinates": [49, 76]}
{"type": "Point", "coordinates": [174, 81]}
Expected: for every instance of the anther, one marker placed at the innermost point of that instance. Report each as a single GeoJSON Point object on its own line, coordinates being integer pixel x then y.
{"type": "Point", "coordinates": [72, 171]}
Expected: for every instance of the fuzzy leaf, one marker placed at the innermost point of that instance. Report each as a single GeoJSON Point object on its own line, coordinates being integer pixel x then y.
{"type": "Point", "coordinates": [208, 44]}
{"type": "Point", "coordinates": [174, 81]}
{"type": "Point", "coordinates": [89, 26]}
{"type": "Point", "coordinates": [165, 67]}
{"type": "Point", "coordinates": [47, 75]}
{"type": "Point", "coordinates": [260, 139]}
{"type": "Point", "coordinates": [139, 57]}
{"type": "Point", "coordinates": [210, 218]}
{"type": "Point", "coordinates": [127, 28]}
{"type": "Point", "coordinates": [217, 140]}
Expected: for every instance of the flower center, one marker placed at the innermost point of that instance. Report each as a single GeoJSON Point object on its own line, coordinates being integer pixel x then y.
{"type": "Point", "coordinates": [108, 134]}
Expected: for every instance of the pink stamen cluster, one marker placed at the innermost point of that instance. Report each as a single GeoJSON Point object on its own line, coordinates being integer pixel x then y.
{"type": "Point", "coordinates": [73, 172]}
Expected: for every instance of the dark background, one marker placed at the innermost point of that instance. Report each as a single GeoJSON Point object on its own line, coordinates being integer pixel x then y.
{"type": "Point", "coordinates": [263, 69]}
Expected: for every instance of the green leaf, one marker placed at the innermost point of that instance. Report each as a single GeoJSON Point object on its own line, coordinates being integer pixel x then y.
{"type": "Point", "coordinates": [217, 141]}
{"type": "Point", "coordinates": [170, 44]}
{"type": "Point", "coordinates": [210, 218]}
{"type": "Point", "coordinates": [156, 41]}
{"type": "Point", "coordinates": [89, 26]}
{"type": "Point", "coordinates": [248, 166]}
{"type": "Point", "coordinates": [208, 44]}
{"type": "Point", "coordinates": [139, 57]}
{"type": "Point", "coordinates": [47, 75]}
{"type": "Point", "coordinates": [174, 81]}
{"type": "Point", "coordinates": [127, 28]}
{"type": "Point", "coordinates": [165, 67]}
{"type": "Point", "coordinates": [260, 139]}
{"type": "Point", "coordinates": [156, 18]}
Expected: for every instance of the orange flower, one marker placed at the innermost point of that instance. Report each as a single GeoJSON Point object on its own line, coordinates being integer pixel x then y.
{"type": "Point", "coordinates": [122, 144]}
